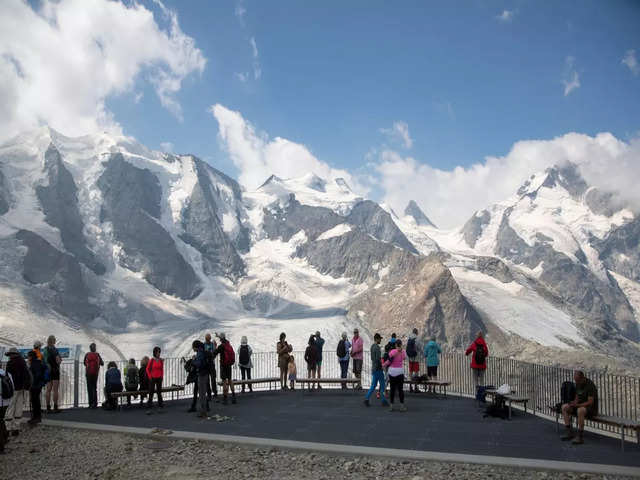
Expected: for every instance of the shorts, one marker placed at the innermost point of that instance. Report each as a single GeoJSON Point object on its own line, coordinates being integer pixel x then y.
{"type": "Point", "coordinates": [225, 372]}
{"type": "Point", "coordinates": [357, 366]}
{"type": "Point", "coordinates": [292, 377]}
{"type": "Point", "coordinates": [591, 412]}
{"type": "Point", "coordinates": [432, 371]}
{"type": "Point", "coordinates": [414, 367]}
{"type": "Point", "coordinates": [55, 374]}
{"type": "Point", "coordinates": [319, 362]}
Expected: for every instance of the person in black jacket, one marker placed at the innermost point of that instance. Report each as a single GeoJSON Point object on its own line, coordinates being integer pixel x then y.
{"type": "Point", "coordinates": [37, 375]}
{"type": "Point", "coordinates": [311, 357]}
{"type": "Point", "coordinates": [112, 384]}
{"type": "Point", "coordinates": [19, 371]}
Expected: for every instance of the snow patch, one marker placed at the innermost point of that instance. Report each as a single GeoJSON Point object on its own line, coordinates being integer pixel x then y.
{"type": "Point", "coordinates": [336, 231]}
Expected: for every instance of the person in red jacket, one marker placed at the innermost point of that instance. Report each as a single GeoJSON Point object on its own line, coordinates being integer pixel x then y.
{"type": "Point", "coordinates": [480, 353]}
{"type": "Point", "coordinates": [155, 373]}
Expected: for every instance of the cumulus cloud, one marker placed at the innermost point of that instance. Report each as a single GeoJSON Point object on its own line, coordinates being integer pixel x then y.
{"type": "Point", "coordinates": [166, 147]}
{"type": "Point", "coordinates": [506, 16]}
{"type": "Point", "coordinates": [399, 132]}
{"type": "Point", "coordinates": [60, 62]}
{"type": "Point", "coordinates": [257, 156]}
{"type": "Point", "coordinates": [631, 61]}
{"type": "Point", "coordinates": [571, 78]}
{"type": "Point", "coordinates": [450, 197]}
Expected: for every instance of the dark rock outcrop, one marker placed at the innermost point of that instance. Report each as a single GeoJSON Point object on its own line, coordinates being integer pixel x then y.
{"type": "Point", "coordinates": [620, 249]}
{"type": "Point", "coordinates": [371, 218]}
{"type": "Point", "coordinates": [414, 211]}
{"type": "Point", "coordinates": [472, 230]}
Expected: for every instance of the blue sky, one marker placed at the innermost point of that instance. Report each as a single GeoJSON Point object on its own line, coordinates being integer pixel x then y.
{"type": "Point", "coordinates": [467, 83]}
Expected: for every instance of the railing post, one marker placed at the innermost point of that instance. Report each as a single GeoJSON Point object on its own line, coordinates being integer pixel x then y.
{"type": "Point", "coordinates": [76, 378]}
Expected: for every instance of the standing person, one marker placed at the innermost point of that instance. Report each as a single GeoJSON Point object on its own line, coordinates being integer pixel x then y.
{"type": "Point", "coordinates": [387, 349]}
{"type": "Point", "coordinates": [293, 372]}
{"type": "Point", "coordinates": [357, 347]}
{"type": "Point", "coordinates": [112, 384]}
{"type": "Point", "coordinates": [36, 367]}
{"type": "Point", "coordinates": [377, 374]}
{"type": "Point", "coordinates": [131, 378]}
{"type": "Point", "coordinates": [396, 374]}
{"type": "Point", "coordinates": [53, 361]}
{"type": "Point", "coordinates": [210, 347]}
{"type": "Point", "coordinates": [431, 353]}
{"type": "Point", "coordinates": [155, 372]}
{"type": "Point", "coordinates": [7, 392]}
{"type": "Point", "coordinates": [319, 346]}
{"type": "Point", "coordinates": [584, 405]}
{"type": "Point", "coordinates": [342, 352]}
{"type": "Point", "coordinates": [244, 361]}
{"type": "Point", "coordinates": [92, 363]}
{"type": "Point", "coordinates": [19, 371]}
{"type": "Point", "coordinates": [227, 359]}
{"type": "Point", "coordinates": [144, 379]}
{"type": "Point", "coordinates": [412, 355]}
{"type": "Point", "coordinates": [202, 369]}
{"type": "Point", "coordinates": [283, 350]}
{"type": "Point", "coordinates": [37, 348]}
{"type": "Point", "coordinates": [311, 357]}
{"type": "Point", "coordinates": [480, 353]}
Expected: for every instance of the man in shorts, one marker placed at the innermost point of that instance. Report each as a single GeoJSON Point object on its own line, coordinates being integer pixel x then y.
{"type": "Point", "coordinates": [585, 405]}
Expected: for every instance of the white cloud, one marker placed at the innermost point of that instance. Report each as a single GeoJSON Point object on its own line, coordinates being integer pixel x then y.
{"type": "Point", "coordinates": [240, 11]}
{"type": "Point", "coordinates": [450, 197]}
{"type": "Point", "coordinates": [399, 132]}
{"type": "Point", "coordinates": [257, 70]}
{"type": "Point", "coordinates": [60, 63]}
{"type": "Point", "coordinates": [243, 77]}
{"type": "Point", "coordinates": [257, 157]}
{"type": "Point", "coordinates": [166, 147]}
{"type": "Point", "coordinates": [138, 97]}
{"type": "Point", "coordinates": [506, 16]}
{"type": "Point", "coordinates": [571, 79]}
{"type": "Point", "coordinates": [631, 61]}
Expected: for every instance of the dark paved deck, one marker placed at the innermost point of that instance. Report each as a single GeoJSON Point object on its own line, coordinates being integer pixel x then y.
{"type": "Point", "coordinates": [453, 425]}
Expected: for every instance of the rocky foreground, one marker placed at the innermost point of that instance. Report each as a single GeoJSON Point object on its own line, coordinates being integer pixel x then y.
{"type": "Point", "coordinates": [80, 454]}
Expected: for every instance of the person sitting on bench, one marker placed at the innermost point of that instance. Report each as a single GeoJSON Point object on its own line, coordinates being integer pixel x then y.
{"type": "Point", "coordinates": [585, 405]}
{"type": "Point", "coordinates": [112, 384]}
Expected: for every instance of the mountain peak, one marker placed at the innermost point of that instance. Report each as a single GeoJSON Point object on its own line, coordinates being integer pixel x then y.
{"type": "Point", "coordinates": [314, 182]}
{"type": "Point", "coordinates": [566, 176]}
{"type": "Point", "coordinates": [414, 211]}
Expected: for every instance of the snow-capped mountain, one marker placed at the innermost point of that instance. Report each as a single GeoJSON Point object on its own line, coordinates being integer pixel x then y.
{"type": "Point", "coordinates": [103, 239]}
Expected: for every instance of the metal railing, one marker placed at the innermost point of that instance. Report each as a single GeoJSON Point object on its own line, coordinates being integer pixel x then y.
{"type": "Point", "coordinates": [618, 395]}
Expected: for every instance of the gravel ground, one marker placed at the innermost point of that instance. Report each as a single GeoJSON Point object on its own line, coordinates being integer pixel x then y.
{"type": "Point", "coordinates": [83, 454]}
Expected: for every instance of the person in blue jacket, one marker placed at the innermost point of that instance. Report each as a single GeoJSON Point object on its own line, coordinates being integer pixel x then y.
{"type": "Point", "coordinates": [112, 384]}
{"type": "Point", "coordinates": [431, 353]}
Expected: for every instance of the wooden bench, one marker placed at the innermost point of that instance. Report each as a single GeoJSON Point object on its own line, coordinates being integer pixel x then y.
{"type": "Point", "coordinates": [173, 389]}
{"type": "Point", "coordinates": [309, 381]}
{"type": "Point", "coordinates": [619, 422]}
{"type": "Point", "coordinates": [441, 384]}
{"type": "Point", "coordinates": [254, 381]}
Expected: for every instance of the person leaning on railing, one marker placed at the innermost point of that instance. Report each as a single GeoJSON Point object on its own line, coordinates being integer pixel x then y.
{"type": "Point", "coordinates": [283, 349]}
{"type": "Point", "coordinates": [480, 352]}
{"type": "Point", "coordinates": [585, 405]}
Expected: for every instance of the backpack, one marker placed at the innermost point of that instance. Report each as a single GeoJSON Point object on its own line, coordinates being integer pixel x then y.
{"type": "Point", "coordinates": [7, 387]}
{"type": "Point", "coordinates": [131, 381]}
{"type": "Point", "coordinates": [341, 351]}
{"type": "Point", "coordinates": [228, 356]}
{"type": "Point", "coordinates": [243, 355]}
{"type": "Point", "coordinates": [480, 355]}
{"type": "Point", "coordinates": [93, 363]}
{"type": "Point", "coordinates": [567, 394]}
{"type": "Point", "coordinates": [411, 348]}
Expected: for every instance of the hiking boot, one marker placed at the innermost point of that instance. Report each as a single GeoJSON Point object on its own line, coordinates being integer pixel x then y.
{"type": "Point", "coordinates": [191, 410]}
{"type": "Point", "coordinates": [567, 436]}
{"type": "Point", "coordinates": [56, 409]}
{"type": "Point", "coordinates": [48, 408]}
{"type": "Point", "coordinates": [391, 407]}
{"type": "Point", "coordinates": [202, 415]}
{"type": "Point", "coordinates": [366, 403]}
{"type": "Point", "coordinates": [578, 440]}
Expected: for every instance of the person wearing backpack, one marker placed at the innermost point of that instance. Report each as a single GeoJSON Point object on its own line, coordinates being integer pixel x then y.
{"type": "Point", "coordinates": [7, 391]}
{"type": "Point", "coordinates": [131, 379]}
{"type": "Point", "coordinates": [431, 354]}
{"type": "Point", "coordinates": [36, 368]}
{"type": "Point", "coordinates": [244, 361]}
{"type": "Point", "coordinates": [52, 360]}
{"type": "Point", "coordinates": [112, 384]}
{"type": "Point", "coordinates": [92, 363]}
{"type": "Point", "coordinates": [227, 359]}
{"type": "Point", "coordinates": [202, 369]}
{"type": "Point", "coordinates": [155, 373]}
{"type": "Point", "coordinates": [19, 371]}
{"type": "Point", "coordinates": [377, 373]}
{"type": "Point", "coordinates": [210, 347]}
{"type": "Point", "coordinates": [480, 352]}
{"type": "Point", "coordinates": [412, 355]}
{"type": "Point", "coordinates": [311, 357]}
{"type": "Point", "coordinates": [342, 352]}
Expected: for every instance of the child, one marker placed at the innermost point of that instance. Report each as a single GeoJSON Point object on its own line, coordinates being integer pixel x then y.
{"type": "Point", "coordinates": [112, 384]}
{"type": "Point", "coordinates": [131, 379]}
{"type": "Point", "coordinates": [292, 372]}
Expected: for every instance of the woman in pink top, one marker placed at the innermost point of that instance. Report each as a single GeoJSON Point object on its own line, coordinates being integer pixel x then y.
{"type": "Point", "coordinates": [396, 374]}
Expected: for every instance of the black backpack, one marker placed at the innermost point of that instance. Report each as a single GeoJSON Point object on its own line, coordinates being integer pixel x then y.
{"type": "Point", "coordinates": [411, 348]}
{"type": "Point", "coordinates": [7, 387]}
{"type": "Point", "coordinates": [567, 395]}
{"type": "Point", "coordinates": [481, 354]}
{"type": "Point", "coordinates": [243, 355]}
{"type": "Point", "coordinates": [132, 379]}
{"type": "Point", "coordinates": [341, 351]}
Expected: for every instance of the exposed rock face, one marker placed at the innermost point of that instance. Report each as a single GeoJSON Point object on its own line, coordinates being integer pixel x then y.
{"type": "Point", "coordinates": [414, 211]}
{"type": "Point", "coordinates": [472, 230]}
{"type": "Point", "coordinates": [62, 274]}
{"type": "Point", "coordinates": [59, 202]}
{"type": "Point", "coordinates": [602, 203]}
{"type": "Point", "coordinates": [4, 194]}
{"type": "Point", "coordinates": [426, 297]}
{"type": "Point", "coordinates": [620, 250]}
{"type": "Point", "coordinates": [202, 224]}
{"type": "Point", "coordinates": [494, 267]}
{"type": "Point", "coordinates": [370, 217]}
{"type": "Point", "coordinates": [131, 202]}
{"type": "Point", "coordinates": [575, 284]}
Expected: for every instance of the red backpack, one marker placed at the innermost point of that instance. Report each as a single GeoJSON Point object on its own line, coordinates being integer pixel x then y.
{"type": "Point", "coordinates": [229, 356]}
{"type": "Point", "coordinates": [93, 363]}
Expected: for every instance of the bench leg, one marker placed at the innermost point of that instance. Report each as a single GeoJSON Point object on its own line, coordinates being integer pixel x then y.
{"type": "Point", "coordinates": [509, 409]}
